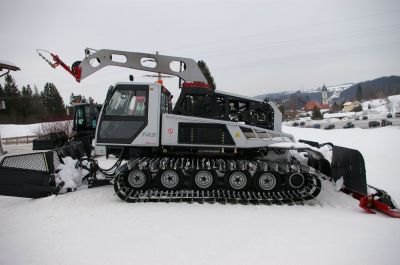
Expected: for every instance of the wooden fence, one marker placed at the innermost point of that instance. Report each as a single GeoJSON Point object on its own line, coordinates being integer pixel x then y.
{"type": "Point", "coordinates": [18, 140]}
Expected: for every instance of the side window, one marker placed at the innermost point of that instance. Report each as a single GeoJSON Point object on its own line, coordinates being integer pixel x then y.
{"type": "Point", "coordinates": [137, 105]}
{"type": "Point", "coordinates": [80, 116]}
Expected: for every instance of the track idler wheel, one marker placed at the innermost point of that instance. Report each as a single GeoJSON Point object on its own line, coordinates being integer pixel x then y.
{"type": "Point", "coordinates": [138, 179]}
{"type": "Point", "coordinates": [237, 180]}
{"type": "Point", "coordinates": [170, 179]}
{"type": "Point", "coordinates": [296, 180]}
{"type": "Point", "coordinates": [204, 179]}
{"type": "Point", "coordinates": [126, 184]}
{"type": "Point", "coordinates": [266, 181]}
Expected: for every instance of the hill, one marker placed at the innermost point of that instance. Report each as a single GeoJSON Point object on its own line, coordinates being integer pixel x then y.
{"type": "Point", "coordinates": [372, 89]}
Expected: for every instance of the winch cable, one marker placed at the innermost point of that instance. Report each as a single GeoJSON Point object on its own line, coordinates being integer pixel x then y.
{"type": "Point", "coordinates": [75, 70]}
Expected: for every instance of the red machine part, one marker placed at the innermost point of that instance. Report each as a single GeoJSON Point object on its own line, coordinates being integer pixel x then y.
{"type": "Point", "coordinates": [376, 202]}
{"type": "Point", "coordinates": [195, 85]}
{"type": "Point", "coordinates": [76, 71]}
{"type": "Point", "coordinates": [368, 203]}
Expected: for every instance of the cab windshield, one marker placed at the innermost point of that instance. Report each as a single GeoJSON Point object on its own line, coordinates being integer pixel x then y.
{"type": "Point", "coordinates": [127, 103]}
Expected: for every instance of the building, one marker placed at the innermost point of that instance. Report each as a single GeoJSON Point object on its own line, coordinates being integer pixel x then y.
{"type": "Point", "coordinates": [325, 99]}
{"type": "Point", "coordinates": [350, 106]}
{"type": "Point", "coordinates": [311, 105]}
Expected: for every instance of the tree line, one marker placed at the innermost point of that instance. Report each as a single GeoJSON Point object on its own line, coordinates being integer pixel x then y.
{"type": "Point", "coordinates": [27, 105]}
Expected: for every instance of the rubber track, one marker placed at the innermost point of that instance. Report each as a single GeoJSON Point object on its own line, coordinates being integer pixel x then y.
{"type": "Point", "coordinates": [309, 191]}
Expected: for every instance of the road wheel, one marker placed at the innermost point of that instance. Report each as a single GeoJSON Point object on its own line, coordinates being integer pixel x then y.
{"type": "Point", "coordinates": [265, 181]}
{"type": "Point", "coordinates": [237, 180]}
{"type": "Point", "coordinates": [170, 179]}
{"type": "Point", "coordinates": [204, 179]}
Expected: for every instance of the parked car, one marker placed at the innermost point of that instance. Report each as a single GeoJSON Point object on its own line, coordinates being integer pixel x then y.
{"type": "Point", "coordinates": [386, 123]}
{"type": "Point", "coordinates": [357, 118]}
{"type": "Point", "coordinates": [348, 125]}
{"type": "Point", "coordinates": [302, 123]}
{"type": "Point", "coordinates": [295, 124]}
{"type": "Point", "coordinates": [397, 115]}
{"type": "Point", "coordinates": [316, 126]}
{"type": "Point", "coordinates": [329, 127]}
{"type": "Point", "coordinates": [374, 124]}
{"type": "Point", "coordinates": [389, 115]}
{"type": "Point", "coordinates": [364, 117]}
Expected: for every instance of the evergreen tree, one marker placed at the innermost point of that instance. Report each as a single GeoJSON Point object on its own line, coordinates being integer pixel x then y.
{"type": "Point", "coordinates": [282, 110]}
{"type": "Point", "coordinates": [26, 91]}
{"type": "Point", "coordinates": [1, 91]}
{"type": "Point", "coordinates": [11, 98]}
{"type": "Point", "coordinates": [27, 102]}
{"type": "Point", "coordinates": [357, 108]}
{"type": "Point", "coordinates": [36, 92]}
{"type": "Point", "coordinates": [207, 74]}
{"type": "Point", "coordinates": [52, 100]}
{"type": "Point", "coordinates": [1, 97]}
{"type": "Point", "coordinates": [38, 108]}
{"type": "Point", "coordinates": [335, 108]}
{"type": "Point", "coordinates": [316, 115]}
{"type": "Point", "coordinates": [359, 93]}
{"type": "Point", "coordinates": [10, 88]}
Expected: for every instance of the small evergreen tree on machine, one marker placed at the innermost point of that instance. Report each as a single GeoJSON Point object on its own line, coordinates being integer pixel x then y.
{"type": "Point", "coordinates": [316, 115]}
{"type": "Point", "coordinates": [207, 74]}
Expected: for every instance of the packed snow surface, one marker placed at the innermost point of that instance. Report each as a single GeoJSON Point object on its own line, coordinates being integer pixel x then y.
{"type": "Point", "coordinates": [93, 226]}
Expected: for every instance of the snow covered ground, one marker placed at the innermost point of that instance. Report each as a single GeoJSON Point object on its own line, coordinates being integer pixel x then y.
{"type": "Point", "coordinates": [95, 227]}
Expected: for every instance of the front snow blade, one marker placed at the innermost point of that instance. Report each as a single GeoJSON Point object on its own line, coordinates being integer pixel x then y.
{"type": "Point", "coordinates": [28, 175]}
{"type": "Point", "coordinates": [349, 164]}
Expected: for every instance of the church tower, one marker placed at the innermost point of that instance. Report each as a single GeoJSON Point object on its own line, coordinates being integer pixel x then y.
{"type": "Point", "coordinates": [325, 101]}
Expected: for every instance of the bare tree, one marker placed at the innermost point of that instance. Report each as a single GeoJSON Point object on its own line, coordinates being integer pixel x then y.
{"type": "Point", "coordinates": [54, 127]}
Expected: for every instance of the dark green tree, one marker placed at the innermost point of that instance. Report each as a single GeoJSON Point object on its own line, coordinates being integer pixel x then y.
{"type": "Point", "coordinates": [11, 98]}
{"type": "Point", "coordinates": [335, 108]}
{"type": "Point", "coordinates": [359, 93]}
{"type": "Point", "coordinates": [281, 108]}
{"type": "Point", "coordinates": [26, 101]}
{"type": "Point", "coordinates": [316, 115]}
{"type": "Point", "coordinates": [357, 108]}
{"type": "Point", "coordinates": [1, 91]}
{"type": "Point", "coordinates": [52, 100]}
{"type": "Point", "coordinates": [38, 108]}
{"type": "Point", "coordinates": [207, 74]}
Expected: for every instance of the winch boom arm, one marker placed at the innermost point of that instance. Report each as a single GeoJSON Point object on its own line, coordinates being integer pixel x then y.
{"type": "Point", "coordinates": [134, 60]}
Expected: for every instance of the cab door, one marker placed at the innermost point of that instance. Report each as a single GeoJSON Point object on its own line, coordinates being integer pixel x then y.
{"type": "Point", "coordinates": [125, 116]}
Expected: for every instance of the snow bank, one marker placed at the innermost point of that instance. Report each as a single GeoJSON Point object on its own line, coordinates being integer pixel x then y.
{"type": "Point", "coordinates": [380, 148]}
{"type": "Point", "coordinates": [93, 226]}
{"type": "Point", "coordinates": [16, 130]}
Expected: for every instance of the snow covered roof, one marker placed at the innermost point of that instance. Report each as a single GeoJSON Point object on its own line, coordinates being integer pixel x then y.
{"type": "Point", "coordinates": [8, 65]}
{"type": "Point", "coordinates": [339, 115]}
{"type": "Point", "coordinates": [394, 99]}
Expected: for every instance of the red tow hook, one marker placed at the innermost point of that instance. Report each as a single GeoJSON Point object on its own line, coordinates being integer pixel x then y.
{"type": "Point", "coordinates": [368, 203]}
{"type": "Point", "coordinates": [75, 72]}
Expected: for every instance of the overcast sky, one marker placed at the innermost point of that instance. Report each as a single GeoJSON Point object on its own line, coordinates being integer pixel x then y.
{"type": "Point", "coordinates": [251, 47]}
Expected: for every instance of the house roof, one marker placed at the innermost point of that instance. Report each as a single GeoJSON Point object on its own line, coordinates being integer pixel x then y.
{"type": "Point", "coordinates": [8, 66]}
